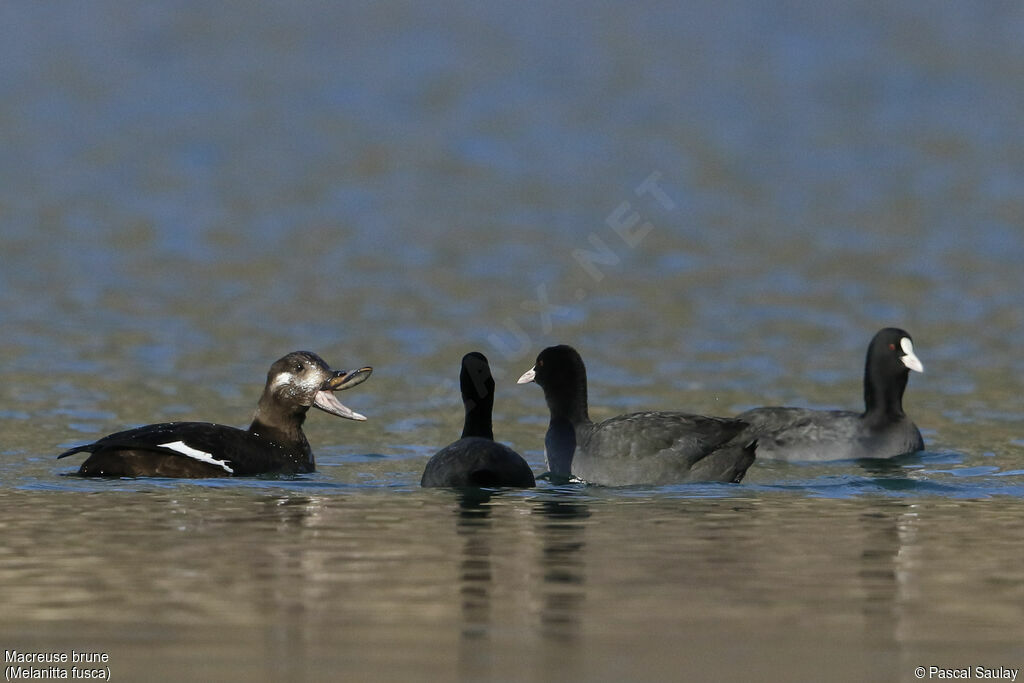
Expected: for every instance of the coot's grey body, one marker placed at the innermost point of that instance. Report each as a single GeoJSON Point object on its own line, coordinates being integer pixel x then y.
{"type": "Point", "coordinates": [477, 459]}
{"type": "Point", "coordinates": [800, 434]}
{"type": "Point", "coordinates": [650, 448]}
{"type": "Point", "coordinates": [883, 430]}
{"type": "Point", "coordinates": [659, 448]}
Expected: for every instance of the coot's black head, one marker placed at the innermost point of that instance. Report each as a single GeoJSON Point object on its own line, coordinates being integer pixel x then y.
{"type": "Point", "coordinates": [302, 380]}
{"type": "Point", "coordinates": [890, 359]}
{"type": "Point", "coordinates": [560, 372]}
{"type": "Point", "coordinates": [892, 350]}
{"type": "Point", "coordinates": [475, 379]}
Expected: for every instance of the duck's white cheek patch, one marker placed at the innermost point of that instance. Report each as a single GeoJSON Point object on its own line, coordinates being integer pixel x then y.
{"type": "Point", "coordinates": [202, 456]}
{"type": "Point", "coordinates": [281, 379]}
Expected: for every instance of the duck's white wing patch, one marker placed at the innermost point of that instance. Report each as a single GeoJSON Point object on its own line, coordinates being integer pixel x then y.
{"type": "Point", "coordinates": [185, 449]}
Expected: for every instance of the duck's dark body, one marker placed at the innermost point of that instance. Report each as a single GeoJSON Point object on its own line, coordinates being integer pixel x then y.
{"type": "Point", "coordinates": [883, 430]}
{"type": "Point", "coordinates": [477, 459]}
{"type": "Point", "coordinates": [158, 450]}
{"type": "Point", "coordinates": [274, 442]}
{"type": "Point", "coordinates": [652, 448]}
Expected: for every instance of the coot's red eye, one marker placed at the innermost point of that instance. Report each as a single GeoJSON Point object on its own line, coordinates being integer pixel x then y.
{"type": "Point", "coordinates": [892, 347]}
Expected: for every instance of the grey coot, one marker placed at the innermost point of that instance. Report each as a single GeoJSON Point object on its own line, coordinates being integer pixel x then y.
{"type": "Point", "coordinates": [274, 442]}
{"type": "Point", "coordinates": [883, 430]}
{"type": "Point", "coordinates": [639, 448]}
{"type": "Point", "coordinates": [477, 459]}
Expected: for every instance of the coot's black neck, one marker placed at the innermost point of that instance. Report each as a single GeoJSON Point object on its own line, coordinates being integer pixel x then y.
{"type": "Point", "coordinates": [569, 401]}
{"type": "Point", "coordinates": [478, 417]}
{"type": "Point", "coordinates": [883, 392]}
{"type": "Point", "coordinates": [560, 446]}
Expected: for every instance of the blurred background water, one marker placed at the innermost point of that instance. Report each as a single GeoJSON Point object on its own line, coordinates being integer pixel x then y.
{"type": "Point", "coordinates": [717, 204]}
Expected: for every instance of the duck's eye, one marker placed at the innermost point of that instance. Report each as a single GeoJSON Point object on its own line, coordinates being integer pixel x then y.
{"type": "Point", "coordinates": [300, 368]}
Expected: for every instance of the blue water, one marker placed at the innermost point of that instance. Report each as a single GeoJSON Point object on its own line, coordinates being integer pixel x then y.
{"type": "Point", "coordinates": [717, 204]}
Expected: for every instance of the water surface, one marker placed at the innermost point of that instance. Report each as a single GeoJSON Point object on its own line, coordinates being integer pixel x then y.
{"type": "Point", "coordinates": [718, 206]}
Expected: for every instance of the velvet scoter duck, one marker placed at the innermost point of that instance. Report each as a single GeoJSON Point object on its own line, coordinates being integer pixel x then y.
{"type": "Point", "coordinates": [274, 442]}
{"type": "Point", "coordinates": [477, 459]}
{"type": "Point", "coordinates": [883, 430]}
{"type": "Point", "coordinates": [652, 448]}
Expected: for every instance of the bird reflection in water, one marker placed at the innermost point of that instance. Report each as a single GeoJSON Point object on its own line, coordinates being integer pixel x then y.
{"type": "Point", "coordinates": [553, 597]}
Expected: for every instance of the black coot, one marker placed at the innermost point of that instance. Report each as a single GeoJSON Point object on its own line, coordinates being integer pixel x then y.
{"type": "Point", "coordinates": [883, 430]}
{"type": "Point", "coordinates": [477, 459]}
{"type": "Point", "coordinates": [639, 448]}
